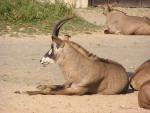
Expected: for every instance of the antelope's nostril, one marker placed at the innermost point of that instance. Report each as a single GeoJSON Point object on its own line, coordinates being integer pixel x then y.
{"type": "Point", "coordinates": [40, 61]}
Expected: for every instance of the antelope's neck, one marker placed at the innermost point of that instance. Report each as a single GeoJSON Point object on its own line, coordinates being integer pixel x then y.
{"type": "Point", "coordinates": [71, 62]}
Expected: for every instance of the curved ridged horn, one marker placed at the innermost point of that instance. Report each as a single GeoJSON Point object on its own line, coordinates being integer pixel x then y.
{"type": "Point", "coordinates": [58, 26]}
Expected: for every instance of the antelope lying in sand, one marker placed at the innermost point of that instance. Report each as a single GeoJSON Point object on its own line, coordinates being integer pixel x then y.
{"type": "Point", "coordinates": [84, 72]}
{"type": "Point", "coordinates": [141, 75]}
{"type": "Point", "coordinates": [118, 22]}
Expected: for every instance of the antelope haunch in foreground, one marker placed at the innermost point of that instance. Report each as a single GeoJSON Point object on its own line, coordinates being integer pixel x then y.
{"type": "Point", "coordinates": [118, 22]}
{"type": "Point", "coordinates": [84, 72]}
{"type": "Point", "coordinates": [144, 95]}
{"type": "Point", "coordinates": [141, 75]}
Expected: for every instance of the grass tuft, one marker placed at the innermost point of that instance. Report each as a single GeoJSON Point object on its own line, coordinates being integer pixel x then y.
{"type": "Point", "coordinates": [31, 16]}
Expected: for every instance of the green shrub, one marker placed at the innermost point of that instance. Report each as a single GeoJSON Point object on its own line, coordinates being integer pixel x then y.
{"type": "Point", "coordinates": [31, 10]}
{"type": "Point", "coordinates": [32, 16]}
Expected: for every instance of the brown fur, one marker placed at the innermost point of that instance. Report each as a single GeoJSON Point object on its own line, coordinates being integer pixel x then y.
{"type": "Point", "coordinates": [144, 95]}
{"type": "Point", "coordinates": [118, 22]}
{"type": "Point", "coordinates": [141, 75]}
{"type": "Point", "coordinates": [85, 72]}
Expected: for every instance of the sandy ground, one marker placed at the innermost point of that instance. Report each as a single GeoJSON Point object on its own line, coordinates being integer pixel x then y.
{"type": "Point", "coordinates": [20, 69]}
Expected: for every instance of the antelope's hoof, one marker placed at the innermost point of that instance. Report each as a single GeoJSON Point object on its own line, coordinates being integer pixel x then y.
{"type": "Point", "coordinates": [106, 31]}
{"type": "Point", "coordinates": [29, 92]}
{"type": "Point", "coordinates": [33, 92]}
{"type": "Point", "coordinates": [17, 92]}
{"type": "Point", "coordinates": [41, 87]}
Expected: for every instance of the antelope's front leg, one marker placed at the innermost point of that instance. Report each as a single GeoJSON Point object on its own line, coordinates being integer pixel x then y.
{"type": "Point", "coordinates": [73, 90]}
{"type": "Point", "coordinates": [43, 92]}
{"type": "Point", "coordinates": [54, 87]}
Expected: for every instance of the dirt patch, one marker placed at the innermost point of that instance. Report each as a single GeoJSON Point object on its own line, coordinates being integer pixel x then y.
{"type": "Point", "coordinates": [20, 70]}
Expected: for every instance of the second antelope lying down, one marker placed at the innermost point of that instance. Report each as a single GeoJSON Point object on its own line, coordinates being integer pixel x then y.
{"type": "Point", "coordinates": [119, 22]}
{"type": "Point", "coordinates": [84, 72]}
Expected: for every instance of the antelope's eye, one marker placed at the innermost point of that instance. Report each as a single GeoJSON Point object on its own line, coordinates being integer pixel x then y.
{"type": "Point", "coordinates": [52, 46]}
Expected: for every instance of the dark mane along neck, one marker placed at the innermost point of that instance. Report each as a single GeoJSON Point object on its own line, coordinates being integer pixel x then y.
{"type": "Point", "coordinates": [86, 53]}
{"type": "Point", "coordinates": [83, 51]}
{"type": "Point", "coordinates": [91, 56]}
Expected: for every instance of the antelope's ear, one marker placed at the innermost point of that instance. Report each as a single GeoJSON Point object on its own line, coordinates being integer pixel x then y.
{"type": "Point", "coordinates": [66, 37]}
{"type": "Point", "coordinates": [58, 42]}
{"type": "Point", "coordinates": [106, 8]}
{"type": "Point", "coordinates": [109, 7]}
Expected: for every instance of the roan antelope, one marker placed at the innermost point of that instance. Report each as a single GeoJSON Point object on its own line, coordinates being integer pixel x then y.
{"type": "Point", "coordinates": [118, 22]}
{"type": "Point", "coordinates": [84, 72]}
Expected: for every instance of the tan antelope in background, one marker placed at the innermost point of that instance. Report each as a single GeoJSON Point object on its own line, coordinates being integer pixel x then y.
{"type": "Point", "coordinates": [118, 22]}
{"type": "Point", "coordinates": [141, 75]}
{"type": "Point", "coordinates": [144, 95]}
{"type": "Point", "coordinates": [84, 72]}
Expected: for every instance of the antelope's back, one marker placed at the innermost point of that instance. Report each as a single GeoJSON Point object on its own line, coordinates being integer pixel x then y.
{"type": "Point", "coordinates": [141, 75]}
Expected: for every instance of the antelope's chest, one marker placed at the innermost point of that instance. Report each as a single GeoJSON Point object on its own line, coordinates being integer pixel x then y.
{"type": "Point", "coordinates": [72, 76]}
